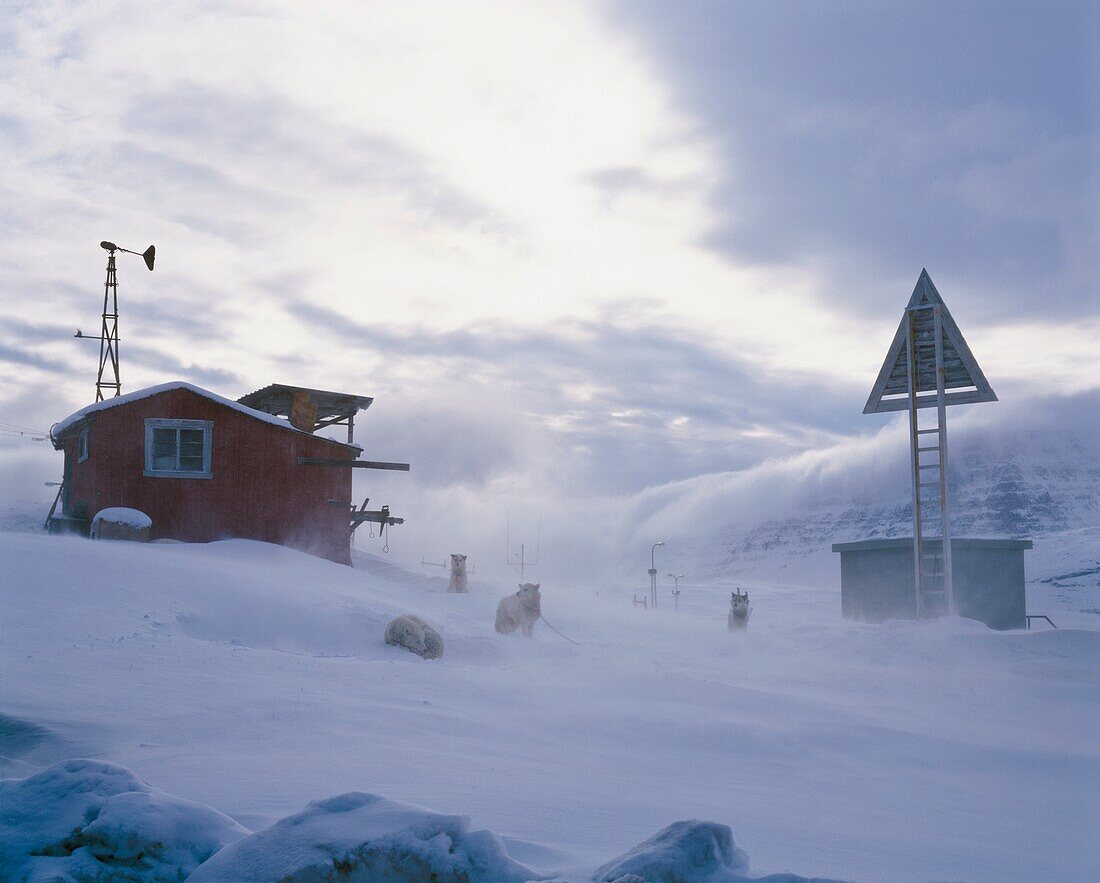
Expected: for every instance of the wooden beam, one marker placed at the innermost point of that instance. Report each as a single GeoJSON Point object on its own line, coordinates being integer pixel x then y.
{"type": "Point", "coordinates": [331, 421]}
{"type": "Point", "coordinates": [377, 516]}
{"type": "Point", "coordinates": [929, 401]}
{"type": "Point", "coordinates": [353, 464]}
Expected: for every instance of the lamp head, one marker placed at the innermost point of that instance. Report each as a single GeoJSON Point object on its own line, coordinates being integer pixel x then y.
{"type": "Point", "coordinates": [109, 246]}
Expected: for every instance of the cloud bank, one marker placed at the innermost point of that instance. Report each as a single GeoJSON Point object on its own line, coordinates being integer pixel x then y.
{"type": "Point", "coordinates": [590, 259]}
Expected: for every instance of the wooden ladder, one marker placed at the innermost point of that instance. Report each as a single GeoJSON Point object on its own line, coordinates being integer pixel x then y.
{"type": "Point", "coordinates": [53, 508]}
{"type": "Point", "coordinates": [928, 446]}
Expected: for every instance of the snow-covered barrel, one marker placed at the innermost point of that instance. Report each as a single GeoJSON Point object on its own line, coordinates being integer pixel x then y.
{"type": "Point", "coordinates": [121, 523]}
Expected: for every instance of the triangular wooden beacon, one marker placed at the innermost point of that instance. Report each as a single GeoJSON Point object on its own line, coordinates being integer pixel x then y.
{"type": "Point", "coordinates": [964, 382]}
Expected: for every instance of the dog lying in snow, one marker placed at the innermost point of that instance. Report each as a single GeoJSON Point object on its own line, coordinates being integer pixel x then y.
{"type": "Point", "coordinates": [412, 633]}
{"type": "Point", "coordinates": [520, 611]}
{"type": "Point", "coordinates": [458, 575]}
{"type": "Point", "coordinates": [739, 611]}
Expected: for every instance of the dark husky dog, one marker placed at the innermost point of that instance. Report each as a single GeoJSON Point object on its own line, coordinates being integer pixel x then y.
{"type": "Point", "coordinates": [739, 610]}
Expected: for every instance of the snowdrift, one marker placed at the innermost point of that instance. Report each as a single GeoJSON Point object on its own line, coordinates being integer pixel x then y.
{"type": "Point", "coordinates": [88, 820]}
{"type": "Point", "coordinates": [688, 852]}
{"type": "Point", "coordinates": [699, 851]}
{"type": "Point", "coordinates": [255, 679]}
{"type": "Point", "coordinates": [359, 836]}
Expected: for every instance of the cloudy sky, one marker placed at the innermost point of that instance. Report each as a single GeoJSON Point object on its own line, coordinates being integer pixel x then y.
{"type": "Point", "coordinates": [575, 250]}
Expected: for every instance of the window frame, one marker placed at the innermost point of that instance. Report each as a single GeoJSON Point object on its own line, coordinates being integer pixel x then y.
{"type": "Point", "coordinates": [207, 427]}
{"type": "Point", "coordinates": [82, 445]}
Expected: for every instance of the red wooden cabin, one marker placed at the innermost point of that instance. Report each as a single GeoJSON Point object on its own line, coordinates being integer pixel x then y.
{"type": "Point", "coordinates": [207, 468]}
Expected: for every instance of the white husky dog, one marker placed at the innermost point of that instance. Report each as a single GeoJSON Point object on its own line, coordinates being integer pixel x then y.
{"type": "Point", "coordinates": [458, 575]}
{"type": "Point", "coordinates": [739, 611]}
{"type": "Point", "coordinates": [520, 611]}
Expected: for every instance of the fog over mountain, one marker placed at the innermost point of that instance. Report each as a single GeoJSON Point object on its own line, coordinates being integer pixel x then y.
{"type": "Point", "coordinates": [1025, 468]}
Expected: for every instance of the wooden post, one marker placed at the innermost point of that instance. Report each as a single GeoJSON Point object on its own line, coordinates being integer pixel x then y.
{"type": "Point", "coordinates": [941, 408]}
{"type": "Point", "coordinates": [914, 443]}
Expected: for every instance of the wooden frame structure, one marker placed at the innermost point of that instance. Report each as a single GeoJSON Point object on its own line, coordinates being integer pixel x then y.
{"type": "Point", "coordinates": [929, 365]}
{"type": "Point", "coordinates": [324, 408]}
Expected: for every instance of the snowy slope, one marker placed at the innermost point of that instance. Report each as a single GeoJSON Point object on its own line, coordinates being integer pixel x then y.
{"type": "Point", "coordinates": [1044, 488]}
{"type": "Point", "coordinates": [254, 679]}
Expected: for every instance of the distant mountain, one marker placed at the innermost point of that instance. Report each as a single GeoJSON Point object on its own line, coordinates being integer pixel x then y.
{"type": "Point", "coordinates": [1021, 487]}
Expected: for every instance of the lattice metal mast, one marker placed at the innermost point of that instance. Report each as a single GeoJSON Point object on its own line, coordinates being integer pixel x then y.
{"type": "Point", "coordinates": [929, 365]}
{"type": "Point", "coordinates": [108, 333]}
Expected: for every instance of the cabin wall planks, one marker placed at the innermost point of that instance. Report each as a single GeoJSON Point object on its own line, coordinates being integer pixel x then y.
{"type": "Point", "coordinates": [257, 490]}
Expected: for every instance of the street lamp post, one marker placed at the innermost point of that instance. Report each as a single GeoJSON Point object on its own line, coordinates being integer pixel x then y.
{"type": "Point", "coordinates": [676, 590]}
{"type": "Point", "coordinates": [653, 574]}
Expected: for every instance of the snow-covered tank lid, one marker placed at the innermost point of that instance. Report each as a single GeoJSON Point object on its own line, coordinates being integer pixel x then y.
{"type": "Point", "coordinates": [123, 515]}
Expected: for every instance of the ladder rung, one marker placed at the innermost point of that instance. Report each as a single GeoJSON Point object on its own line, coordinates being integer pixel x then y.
{"type": "Point", "coordinates": [929, 466]}
{"type": "Point", "coordinates": [933, 448]}
{"type": "Point", "coordinates": [929, 484]}
{"type": "Point", "coordinates": [926, 431]}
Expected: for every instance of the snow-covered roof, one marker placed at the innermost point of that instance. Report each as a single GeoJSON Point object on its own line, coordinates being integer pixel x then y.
{"type": "Point", "coordinates": [150, 391]}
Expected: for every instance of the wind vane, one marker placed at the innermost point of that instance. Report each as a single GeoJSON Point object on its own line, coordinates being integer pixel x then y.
{"type": "Point", "coordinates": [929, 365]}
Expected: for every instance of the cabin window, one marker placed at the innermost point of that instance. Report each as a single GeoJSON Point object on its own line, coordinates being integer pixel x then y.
{"type": "Point", "coordinates": [178, 448]}
{"type": "Point", "coordinates": [82, 447]}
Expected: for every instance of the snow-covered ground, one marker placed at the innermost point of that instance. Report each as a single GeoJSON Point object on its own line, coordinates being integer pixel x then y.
{"type": "Point", "coordinates": [255, 679]}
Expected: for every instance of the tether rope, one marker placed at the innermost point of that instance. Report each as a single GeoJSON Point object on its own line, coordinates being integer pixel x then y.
{"type": "Point", "coordinates": [556, 632]}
